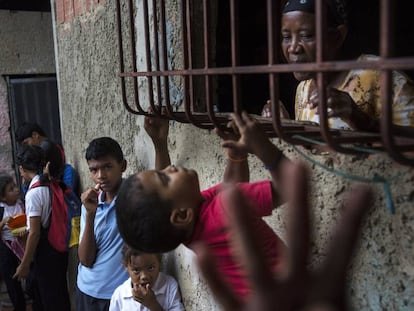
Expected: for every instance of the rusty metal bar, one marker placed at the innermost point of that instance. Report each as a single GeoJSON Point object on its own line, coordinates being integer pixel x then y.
{"type": "Point", "coordinates": [156, 57]}
{"type": "Point", "coordinates": [321, 27]}
{"type": "Point", "coordinates": [386, 50]}
{"type": "Point", "coordinates": [207, 79]}
{"type": "Point", "coordinates": [189, 53]}
{"type": "Point", "coordinates": [133, 53]}
{"type": "Point", "coordinates": [235, 55]}
{"type": "Point", "coordinates": [188, 80]}
{"type": "Point", "coordinates": [273, 55]}
{"type": "Point", "coordinates": [394, 140]}
{"type": "Point", "coordinates": [396, 64]}
{"type": "Point", "coordinates": [121, 56]}
{"type": "Point", "coordinates": [148, 61]}
{"type": "Point", "coordinates": [320, 14]}
{"type": "Point", "coordinates": [165, 56]}
{"type": "Point", "coordinates": [185, 57]}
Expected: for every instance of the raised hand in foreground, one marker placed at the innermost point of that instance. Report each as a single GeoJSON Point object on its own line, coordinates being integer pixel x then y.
{"type": "Point", "coordinates": [298, 288]}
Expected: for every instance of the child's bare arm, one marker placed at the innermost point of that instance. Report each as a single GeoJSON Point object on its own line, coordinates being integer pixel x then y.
{"type": "Point", "coordinates": [157, 129]}
{"type": "Point", "coordinates": [254, 140]}
{"type": "Point", "coordinates": [321, 290]}
{"type": "Point", "coordinates": [22, 271]}
{"type": "Point", "coordinates": [5, 221]}
{"type": "Point", "coordinates": [237, 167]}
{"type": "Point", "coordinates": [87, 245]}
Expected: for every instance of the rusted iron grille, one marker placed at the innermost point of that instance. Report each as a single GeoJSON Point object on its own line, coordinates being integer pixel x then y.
{"type": "Point", "coordinates": [154, 82]}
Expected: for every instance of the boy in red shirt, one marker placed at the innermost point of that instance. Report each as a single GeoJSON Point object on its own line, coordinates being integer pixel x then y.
{"type": "Point", "coordinates": [159, 210]}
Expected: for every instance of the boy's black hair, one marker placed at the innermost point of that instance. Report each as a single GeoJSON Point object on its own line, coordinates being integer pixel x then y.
{"type": "Point", "coordinates": [102, 147]}
{"type": "Point", "coordinates": [5, 179]}
{"type": "Point", "coordinates": [128, 252]}
{"type": "Point", "coordinates": [144, 219]}
{"type": "Point", "coordinates": [26, 129]}
{"type": "Point", "coordinates": [31, 158]}
{"type": "Point", "coordinates": [53, 155]}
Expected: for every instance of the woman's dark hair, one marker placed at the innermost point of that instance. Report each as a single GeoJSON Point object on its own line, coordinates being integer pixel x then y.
{"type": "Point", "coordinates": [5, 179]}
{"type": "Point", "coordinates": [53, 155]}
{"type": "Point", "coordinates": [31, 158]}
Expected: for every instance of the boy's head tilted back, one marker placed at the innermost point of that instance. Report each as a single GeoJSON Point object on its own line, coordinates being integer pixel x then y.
{"type": "Point", "coordinates": [103, 147]}
{"type": "Point", "coordinates": [144, 219]}
{"type": "Point", "coordinates": [156, 210]}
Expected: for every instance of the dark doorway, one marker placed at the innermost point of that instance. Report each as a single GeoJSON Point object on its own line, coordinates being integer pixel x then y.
{"type": "Point", "coordinates": [34, 99]}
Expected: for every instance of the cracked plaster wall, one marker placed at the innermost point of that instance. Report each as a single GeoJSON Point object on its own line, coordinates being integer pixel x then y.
{"type": "Point", "coordinates": [26, 45]}
{"type": "Point", "coordinates": [382, 273]}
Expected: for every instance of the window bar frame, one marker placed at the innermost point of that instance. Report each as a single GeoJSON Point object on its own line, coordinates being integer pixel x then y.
{"type": "Point", "coordinates": [122, 60]}
{"type": "Point", "coordinates": [121, 56]}
{"type": "Point", "coordinates": [388, 136]}
{"type": "Point", "coordinates": [133, 54]}
{"type": "Point", "coordinates": [234, 32]}
{"type": "Point", "coordinates": [156, 108]}
{"type": "Point", "coordinates": [190, 72]}
{"type": "Point", "coordinates": [387, 27]}
{"type": "Point", "coordinates": [273, 57]}
{"type": "Point", "coordinates": [165, 57]}
{"type": "Point", "coordinates": [148, 60]}
{"type": "Point", "coordinates": [207, 78]}
{"type": "Point", "coordinates": [282, 131]}
{"type": "Point", "coordinates": [335, 143]}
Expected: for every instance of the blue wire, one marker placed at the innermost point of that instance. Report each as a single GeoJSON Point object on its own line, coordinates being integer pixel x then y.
{"type": "Point", "coordinates": [376, 179]}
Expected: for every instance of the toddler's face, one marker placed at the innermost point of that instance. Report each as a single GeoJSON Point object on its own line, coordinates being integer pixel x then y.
{"type": "Point", "coordinates": [11, 194]}
{"type": "Point", "coordinates": [144, 269]}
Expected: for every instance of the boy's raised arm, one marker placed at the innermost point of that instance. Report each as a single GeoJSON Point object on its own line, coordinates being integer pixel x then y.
{"type": "Point", "coordinates": [87, 245]}
{"type": "Point", "coordinates": [157, 129]}
{"type": "Point", "coordinates": [254, 140]}
{"type": "Point", "coordinates": [237, 167]}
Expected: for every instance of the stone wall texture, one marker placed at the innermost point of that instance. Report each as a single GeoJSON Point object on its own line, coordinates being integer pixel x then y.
{"type": "Point", "coordinates": [382, 272]}
{"type": "Point", "coordinates": [26, 45]}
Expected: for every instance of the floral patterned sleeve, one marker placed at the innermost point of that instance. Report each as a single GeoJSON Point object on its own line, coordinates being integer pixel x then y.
{"type": "Point", "coordinates": [403, 105]}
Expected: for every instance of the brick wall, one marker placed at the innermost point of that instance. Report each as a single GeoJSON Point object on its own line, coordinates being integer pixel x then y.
{"type": "Point", "coordinates": [67, 10]}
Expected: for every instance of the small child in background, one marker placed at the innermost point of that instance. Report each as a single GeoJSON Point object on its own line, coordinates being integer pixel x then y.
{"type": "Point", "coordinates": [11, 250]}
{"type": "Point", "coordinates": [147, 288]}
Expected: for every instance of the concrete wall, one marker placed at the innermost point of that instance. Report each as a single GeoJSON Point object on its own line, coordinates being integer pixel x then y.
{"type": "Point", "coordinates": [26, 45]}
{"type": "Point", "coordinates": [382, 273]}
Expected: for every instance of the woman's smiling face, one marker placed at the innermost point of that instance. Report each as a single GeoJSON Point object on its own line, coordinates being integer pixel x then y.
{"type": "Point", "coordinates": [298, 34]}
{"type": "Point", "coordinates": [298, 40]}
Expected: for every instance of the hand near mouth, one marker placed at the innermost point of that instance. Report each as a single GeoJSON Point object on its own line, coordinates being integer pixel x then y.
{"type": "Point", "coordinates": [145, 296]}
{"type": "Point", "coordinates": [90, 198]}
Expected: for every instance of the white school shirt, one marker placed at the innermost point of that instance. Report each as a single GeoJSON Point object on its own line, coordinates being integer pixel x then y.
{"type": "Point", "coordinates": [10, 211]}
{"type": "Point", "coordinates": [165, 289]}
{"type": "Point", "coordinates": [37, 203]}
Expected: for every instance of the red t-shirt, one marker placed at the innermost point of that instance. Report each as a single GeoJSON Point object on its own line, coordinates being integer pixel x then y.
{"type": "Point", "coordinates": [211, 228]}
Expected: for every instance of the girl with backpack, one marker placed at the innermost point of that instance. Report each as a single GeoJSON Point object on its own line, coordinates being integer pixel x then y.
{"type": "Point", "coordinates": [47, 265]}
